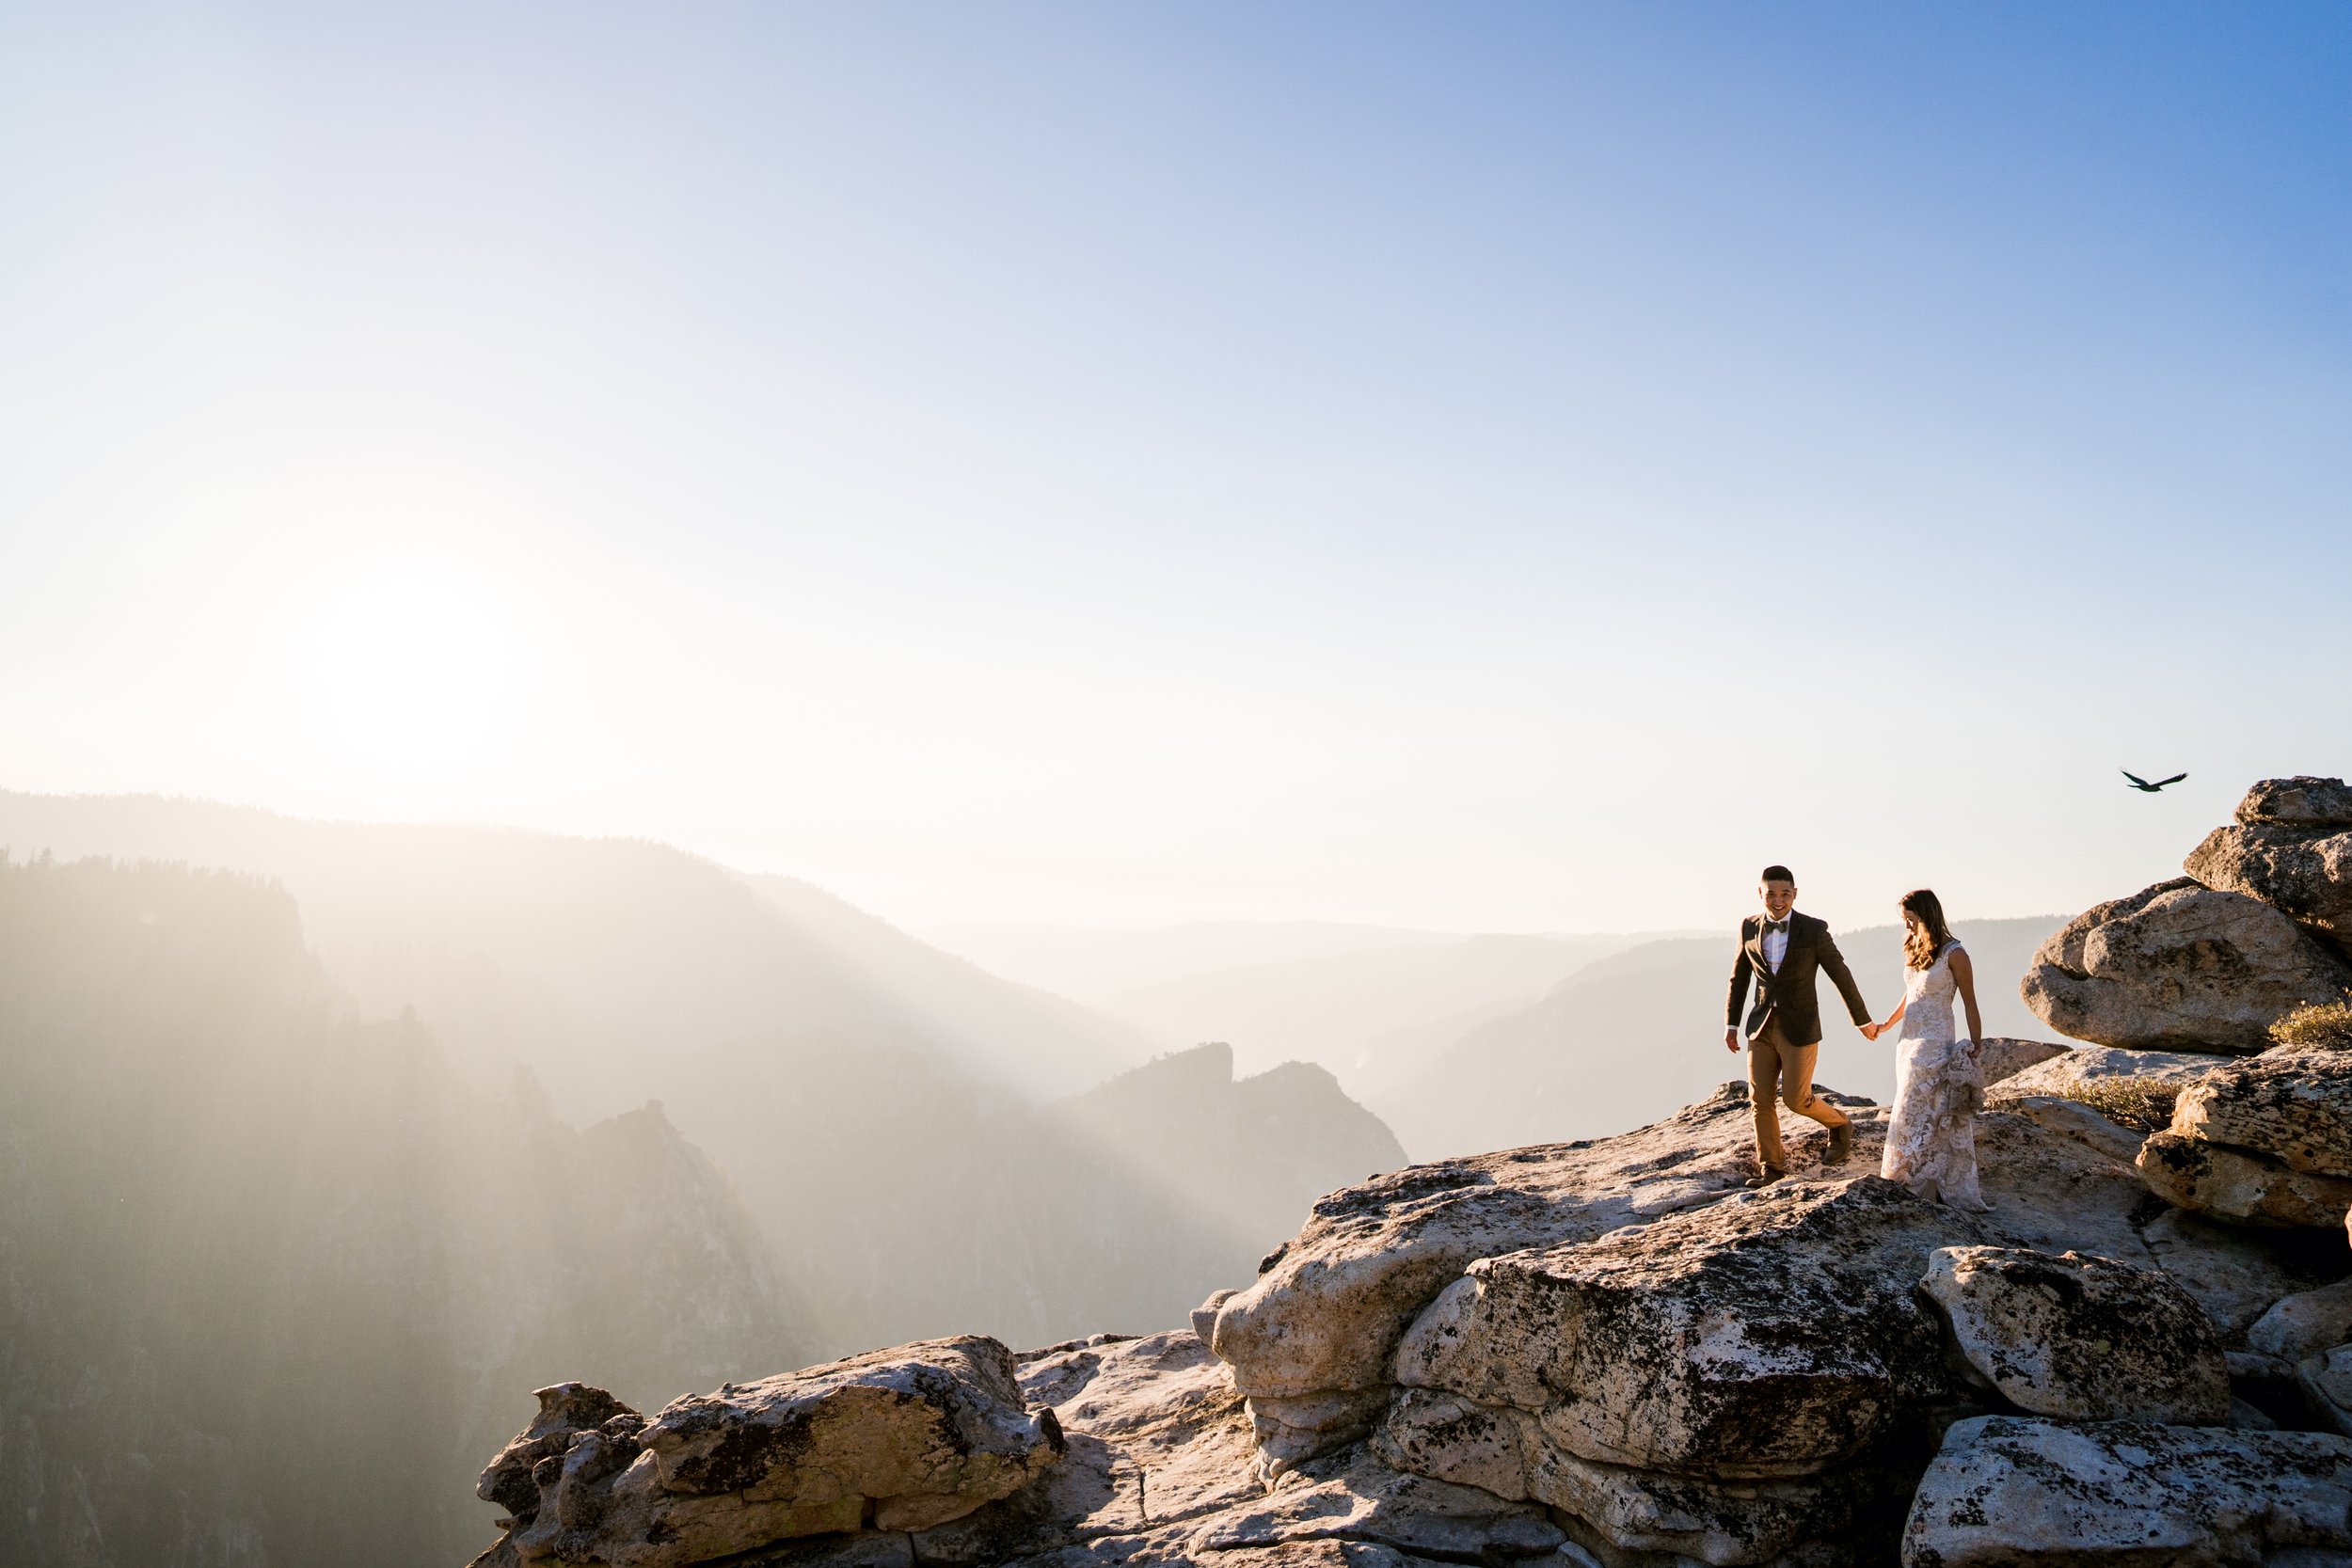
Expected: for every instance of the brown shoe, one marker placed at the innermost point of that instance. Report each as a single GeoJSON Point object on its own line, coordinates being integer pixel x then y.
{"type": "Point", "coordinates": [1767, 1176]}
{"type": "Point", "coordinates": [1840, 1145]}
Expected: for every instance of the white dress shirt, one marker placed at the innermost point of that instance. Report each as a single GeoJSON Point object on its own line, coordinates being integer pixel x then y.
{"type": "Point", "coordinates": [1776, 942]}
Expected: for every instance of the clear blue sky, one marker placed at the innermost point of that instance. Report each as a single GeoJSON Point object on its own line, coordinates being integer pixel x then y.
{"type": "Point", "coordinates": [1480, 465]}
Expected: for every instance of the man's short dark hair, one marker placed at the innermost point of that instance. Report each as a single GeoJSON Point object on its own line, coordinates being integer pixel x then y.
{"type": "Point", "coordinates": [1778, 874]}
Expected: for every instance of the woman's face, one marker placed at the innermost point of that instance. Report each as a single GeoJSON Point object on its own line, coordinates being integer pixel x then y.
{"type": "Point", "coordinates": [1911, 923]}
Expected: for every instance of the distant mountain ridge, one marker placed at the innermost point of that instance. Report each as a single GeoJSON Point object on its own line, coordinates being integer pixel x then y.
{"type": "Point", "coordinates": [1321, 991]}
{"type": "Point", "coordinates": [886, 1112]}
{"type": "Point", "coordinates": [1631, 1036]}
{"type": "Point", "coordinates": [591, 960]}
{"type": "Point", "coordinates": [1088, 962]}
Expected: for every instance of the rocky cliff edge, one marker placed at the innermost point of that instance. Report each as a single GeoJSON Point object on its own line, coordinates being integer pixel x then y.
{"type": "Point", "coordinates": [1610, 1352]}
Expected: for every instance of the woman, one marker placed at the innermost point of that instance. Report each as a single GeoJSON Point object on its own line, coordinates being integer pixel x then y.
{"type": "Point", "coordinates": [1939, 1080]}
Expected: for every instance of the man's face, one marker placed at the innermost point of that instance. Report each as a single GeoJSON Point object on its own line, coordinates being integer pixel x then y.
{"type": "Point", "coordinates": [1779, 899]}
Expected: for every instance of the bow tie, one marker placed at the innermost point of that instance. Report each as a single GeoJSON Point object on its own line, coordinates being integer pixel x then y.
{"type": "Point", "coordinates": [1781, 926]}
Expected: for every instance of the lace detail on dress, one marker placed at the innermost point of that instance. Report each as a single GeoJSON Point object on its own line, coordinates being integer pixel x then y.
{"type": "Point", "coordinates": [1939, 1089]}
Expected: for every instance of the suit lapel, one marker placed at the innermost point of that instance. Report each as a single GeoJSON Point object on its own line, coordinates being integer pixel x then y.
{"type": "Point", "coordinates": [1788, 950]}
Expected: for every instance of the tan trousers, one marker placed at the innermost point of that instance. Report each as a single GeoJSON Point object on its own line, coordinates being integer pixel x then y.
{"type": "Point", "coordinates": [1780, 1071]}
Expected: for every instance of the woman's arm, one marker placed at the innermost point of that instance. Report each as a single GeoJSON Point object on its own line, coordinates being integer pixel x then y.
{"type": "Point", "coordinates": [1872, 1031]}
{"type": "Point", "coordinates": [1965, 974]}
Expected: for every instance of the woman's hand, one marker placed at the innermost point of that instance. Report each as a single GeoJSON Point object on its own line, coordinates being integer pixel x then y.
{"type": "Point", "coordinates": [1872, 1031]}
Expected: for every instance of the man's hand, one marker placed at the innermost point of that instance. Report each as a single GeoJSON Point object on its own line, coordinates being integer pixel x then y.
{"type": "Point", "coordinates": [1731, 1039]}
{"type": "Point", "coordinates": [1871, 1031]}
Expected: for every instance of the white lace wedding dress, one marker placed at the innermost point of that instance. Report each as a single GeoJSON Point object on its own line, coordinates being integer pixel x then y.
{"type": "Point", "coordinates": [1939, 1089]}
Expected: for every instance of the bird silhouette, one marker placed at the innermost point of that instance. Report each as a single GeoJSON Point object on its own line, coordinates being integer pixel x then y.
{"type": "Point", "coordinates": [2139, 782]}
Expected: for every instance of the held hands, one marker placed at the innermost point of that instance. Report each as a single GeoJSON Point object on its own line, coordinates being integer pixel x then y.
{"type": "Point", "coordinates": [1871, 1031]}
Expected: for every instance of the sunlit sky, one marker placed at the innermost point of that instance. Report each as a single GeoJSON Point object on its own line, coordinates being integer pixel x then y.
{"type": "Point", "coordinates": [1472, 466]}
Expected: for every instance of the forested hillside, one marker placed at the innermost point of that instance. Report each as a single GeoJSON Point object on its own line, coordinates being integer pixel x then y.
{"type": "Point", "coordinates": [272, 1279]}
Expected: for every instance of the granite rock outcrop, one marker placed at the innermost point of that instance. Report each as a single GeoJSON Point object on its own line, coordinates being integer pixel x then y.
{"type": "Point", "coordinates": [898, 1440]}
{"type": "Point", "coordinates": [2262, 1141]}
{"type": "Point", "coordinates": [1612, 1354]}
{"type": "Point", "coordinates": [1605, 1353]}
{"type": "Point", "coordinates": [2305, 875]}
{"type": "Point", "coordinates": [2083, 1338]}
{"type": "Point", "coordinates": [2303, 802]}
{"type": "Point", "coordinates": [2180, 967]}
{"type": "Point", "coordinates": [2261, 926]}
{"type": "Point", "coordinates": [2007, 1493]}
{"type": "Point", "coordinates": [2291, 847]}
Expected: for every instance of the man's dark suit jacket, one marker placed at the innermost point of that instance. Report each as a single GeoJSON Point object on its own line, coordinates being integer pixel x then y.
{"type": "Point", "coordinates": [1789, 994]}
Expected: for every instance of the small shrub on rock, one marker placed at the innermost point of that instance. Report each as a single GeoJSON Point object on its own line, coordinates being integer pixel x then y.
{"type": "Point", "coordinates": [2324, 1025]}
{"type": "Point", "coordinates": [2142, 1104]}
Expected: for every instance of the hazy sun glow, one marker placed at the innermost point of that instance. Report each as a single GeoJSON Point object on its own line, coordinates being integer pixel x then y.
{"type": "Point", "coordinates": [1054, 463]}
{"type": "Point", "coordinates": [418, 683]}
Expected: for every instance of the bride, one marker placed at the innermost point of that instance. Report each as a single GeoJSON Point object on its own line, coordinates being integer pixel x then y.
{"type": "Point", "coordinates": [1939, 1080]}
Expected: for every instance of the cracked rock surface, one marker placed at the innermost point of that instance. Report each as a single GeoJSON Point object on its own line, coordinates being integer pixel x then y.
{"type": "Point", "coordinates": [2181, 967]}
{"type": "Point", "coordinates": [896, 1440]}
{"type": "Point", "coordinates": [1651, 1368]}
{"type": "Point", "coordinates": [2011, 1492]}
{"type": "Point", "coordinates": [2085, 1339]}
{"type": "Point", "coordinates": [2264, 1141]}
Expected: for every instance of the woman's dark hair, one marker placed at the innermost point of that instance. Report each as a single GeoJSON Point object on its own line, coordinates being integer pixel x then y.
{"type": "Point", "coordinates": [1921, 946]}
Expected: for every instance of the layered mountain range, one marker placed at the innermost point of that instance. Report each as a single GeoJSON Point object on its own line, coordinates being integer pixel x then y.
{"type": "Point", "coordinates": [511, 1104]}
{"type": "Point", "coordinates": [314, 1116]}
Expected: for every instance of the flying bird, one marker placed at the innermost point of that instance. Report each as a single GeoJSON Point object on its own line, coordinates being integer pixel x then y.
{"type": "Point", "coordinates": [2139, 782]}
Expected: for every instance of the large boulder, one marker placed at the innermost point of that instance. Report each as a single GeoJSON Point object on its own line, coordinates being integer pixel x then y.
{"type": "Point", "coordinates": [1774, 1334]}
{"type": "Point", "coordinates": [924, 1433]}
{"type": "Point", "coordinates": [2305, 875]}
{"type": "Point", "coordinates": [2180, 967]}
{"type": "Point", "coordinates": [2263, 1141]}
{"type": "Point", "coordinates": [2294, 1106]}
{"type": "Point", "coordinates": [1310, 1341]}
{"type": "Point", "coordinates": [1727, 1384]}
{"type": "Point", "coordinates": [2307, 1322]}
{"type": "Point", "coordinates": [2237, 1271]}
{"type": "Point", "coordinates": [1622, 1509]}
{"type": "Point", "coordinates": [2319, 804]}
{"type": "Point", "coordinates": [2007, 1492]}
{"type": "Point", "coordinates": [567, 1411]}
{"type": "Point", "coordinates": [900, 1440]}
{"type": "Point", "coordinates": [2082, 1339]}
{"type": "Point", "coordinates": [2326, 1377]}
{"type": "Point", "coordinates": [2240, 1186]}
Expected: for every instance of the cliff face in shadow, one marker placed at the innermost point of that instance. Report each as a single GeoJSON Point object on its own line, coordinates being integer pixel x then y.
{"type": "Point", "coordinates": [938, 1203]}
{"type": "Point", "coordinates": [269, 1276]}
{"type": "Point", "coordinates": [1252, 1154]}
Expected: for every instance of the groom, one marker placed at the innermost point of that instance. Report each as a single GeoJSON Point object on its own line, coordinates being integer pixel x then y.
{"type": "Point", "coordinates": [1783, 950]}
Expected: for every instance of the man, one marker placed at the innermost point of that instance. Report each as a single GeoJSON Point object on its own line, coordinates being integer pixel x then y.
{"type": "Point", "coordinates": [1782, 951]}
